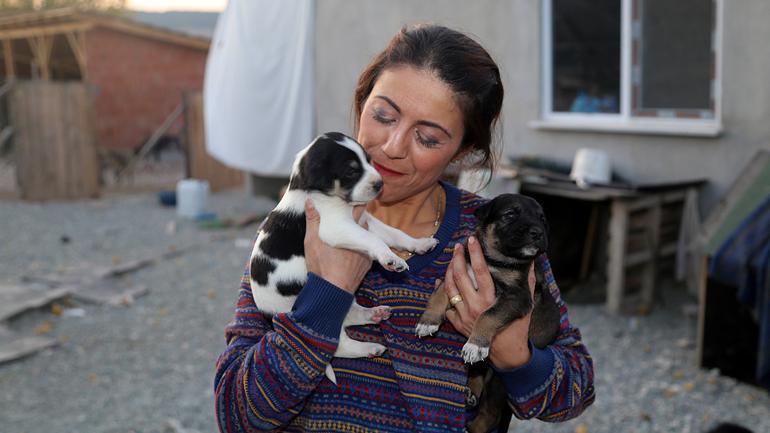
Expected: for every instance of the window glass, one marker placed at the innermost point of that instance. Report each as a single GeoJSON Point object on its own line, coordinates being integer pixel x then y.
{"type": "Point", "coordinates": [586, 56]}
{"type": "Point", "coordinates": [676, 54]}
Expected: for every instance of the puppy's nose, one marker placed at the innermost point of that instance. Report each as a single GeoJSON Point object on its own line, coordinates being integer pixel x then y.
{"type": "Point", "coordinates": [535, 233]}
{"type": "Point", "coordinates": [377, 186]}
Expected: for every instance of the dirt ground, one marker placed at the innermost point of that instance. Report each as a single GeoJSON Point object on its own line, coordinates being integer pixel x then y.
{"type": "Point", "coordinates": [147, 365]}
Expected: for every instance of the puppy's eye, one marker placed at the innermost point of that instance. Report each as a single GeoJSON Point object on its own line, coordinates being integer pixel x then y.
{"type": "Point", "coordinates": [512, 214]}
{"type": "Point", "coordinates": [350, 173]}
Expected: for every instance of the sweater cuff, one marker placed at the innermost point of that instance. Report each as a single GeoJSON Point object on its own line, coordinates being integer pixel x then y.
{"type": "Point", "coordinates": [521, 381]}
{"type": "Point", "coordinates": [322, 306]}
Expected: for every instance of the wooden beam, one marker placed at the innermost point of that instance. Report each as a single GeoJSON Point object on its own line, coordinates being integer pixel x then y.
{"type": "Point", "coordinates": [78, 47]}
{"type": "Point", "coordinates": [41, 49]}
{"type": "Point", "coordinates": [651, 268]}
{"type": "Point", "coordinates": [702, 291]}
{"type": "Point", "coordinates": [46, 46]}
{"type": "Point", "coordinates": [44, 30]}
{"type": "Point", "coordinates": [10, 67]}
{"type": "Point", "coordinates": [616, 268]}
{"type": "Point", "coordinates": [32, 42]}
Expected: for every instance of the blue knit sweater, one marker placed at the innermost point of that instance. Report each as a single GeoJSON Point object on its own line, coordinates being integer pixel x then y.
{"type": "Point", "coordinates": [271, 375]}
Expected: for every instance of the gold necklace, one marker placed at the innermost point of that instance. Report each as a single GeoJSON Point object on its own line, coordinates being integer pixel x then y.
{"type": "Point", "coordinates": [406, 255]}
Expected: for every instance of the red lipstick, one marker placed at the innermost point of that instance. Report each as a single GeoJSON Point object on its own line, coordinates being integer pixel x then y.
{"type": "Point", "coordinates": [386, 171]}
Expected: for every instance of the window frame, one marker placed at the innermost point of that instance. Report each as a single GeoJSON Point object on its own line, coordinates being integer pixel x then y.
{"type": "Point", "coordinates": [628, 120]}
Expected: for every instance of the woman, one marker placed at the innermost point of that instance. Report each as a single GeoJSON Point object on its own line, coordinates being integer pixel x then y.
{"type": "Point", "coordinates": [430, 98]}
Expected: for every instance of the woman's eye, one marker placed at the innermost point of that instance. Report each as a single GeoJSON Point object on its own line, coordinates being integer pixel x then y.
{"type": "Point", "coordinates": [425, 140]}
{"type": "Point", "coordinates": [382, 118]}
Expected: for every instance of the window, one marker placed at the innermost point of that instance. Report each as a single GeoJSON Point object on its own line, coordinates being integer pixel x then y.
{"type": "Point", "coordinates": [636, 65]}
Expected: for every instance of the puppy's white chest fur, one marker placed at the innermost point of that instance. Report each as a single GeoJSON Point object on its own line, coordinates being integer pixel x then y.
{"type": "Point", "coordinates": [334, 172]}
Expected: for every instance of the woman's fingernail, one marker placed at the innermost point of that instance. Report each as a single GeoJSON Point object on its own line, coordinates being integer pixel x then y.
{"type": "Point", "coordinates": [471, 240]}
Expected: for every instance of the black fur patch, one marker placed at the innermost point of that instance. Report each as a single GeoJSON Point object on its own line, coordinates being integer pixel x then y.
{"type": "Point", "coordinates": [286, 235]}
{"type": "Point", "coordinates": [290, 288]}
{"type": "Point", "coordinates": [261, 267]}
{"type": "Point", "coordinates": [327, 162]}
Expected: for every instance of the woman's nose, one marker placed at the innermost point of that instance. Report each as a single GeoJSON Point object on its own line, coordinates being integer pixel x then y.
{"type": "Point", "coordinates": [396, 146]}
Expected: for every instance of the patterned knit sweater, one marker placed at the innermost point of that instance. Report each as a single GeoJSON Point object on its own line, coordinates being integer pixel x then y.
{"type": "Point", "coordinates": [271, 375]}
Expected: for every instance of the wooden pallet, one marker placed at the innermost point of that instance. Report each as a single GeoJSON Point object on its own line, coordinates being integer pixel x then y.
{"type": "Point", "coordinates": [643, 231]}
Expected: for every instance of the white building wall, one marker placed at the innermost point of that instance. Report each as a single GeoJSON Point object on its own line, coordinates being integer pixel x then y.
{"type": "Point", "coordinates": [351, 32]}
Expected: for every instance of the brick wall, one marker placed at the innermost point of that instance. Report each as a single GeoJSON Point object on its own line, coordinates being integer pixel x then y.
{"type": "Point", "coordinates": [139, 83]}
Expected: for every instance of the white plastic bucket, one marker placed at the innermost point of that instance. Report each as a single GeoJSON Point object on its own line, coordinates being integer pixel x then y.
{"type": "Point", "coordinates": [191, 198]}
{"type": "Point", "coordinates": [591, 166]}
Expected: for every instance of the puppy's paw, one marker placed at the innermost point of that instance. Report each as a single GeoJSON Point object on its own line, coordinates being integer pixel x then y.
{"type": "Point", "coordinates": [425, 329]}
{"type": "Point", "coordinates": [392, 262]}
{"type": "Point", "coordinates": [423, 245]}
{"type": "Point", "coordinates": [377, 350]}
{"type": "Point", "coordinates": [473, 353]}
{"type": "Point", "coordinates": [470, 399]}
{"type": "Point", "coordinates": [380, 313]}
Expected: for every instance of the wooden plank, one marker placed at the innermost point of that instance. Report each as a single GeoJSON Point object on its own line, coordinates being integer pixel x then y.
{"type": "Point", "coordinates": [566, 190]}
{"type": "Point", "coordinates": [588, 245]}
{"type": "Point", "coordinates": [651, 268]}
{"type": "Point", "coordinates": [638, 258]}
{"type": "Point", "coordinates": [49, 30]}
{"type": "Point", "coordinates": [201, 164]}
{"type": "Point", "coordinates": [674, 196]}
{"type": "Point", "coordinates": [616, 252]}
{"type": "Point", "coordinates": [56, 152]}
{"type": "Point", "coordinates": [644, 203]}
{"type": "Point", "coordinates": [41, 46]}
{"type": "Point", "coordinates": [18, 299]}
{"type": "Point", "coordinates": [46, 43]}
{"type": "Point", "coordinates": [21, 347]}
{"type": "Point", "coordinates": [702, 283]}
{"type": "Point", "coordinates": [110, 292]}
{"type": "Point", "coordinates": [78, 47]}
{"type": "Point", "coordinates": [10, 66]}
{"type": "Point", "coordinates": [82, 169]}
{"type": "Point", "coordinates": [667, 249]}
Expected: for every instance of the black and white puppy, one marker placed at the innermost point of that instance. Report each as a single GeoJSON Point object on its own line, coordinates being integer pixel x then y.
{"type": "Point", "coordinates": [335, 172]}
{"type": "Point", "coordinates": [512, 232]}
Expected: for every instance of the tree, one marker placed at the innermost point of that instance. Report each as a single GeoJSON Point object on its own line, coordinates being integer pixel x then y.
{"type": "Point", "coordinates": [30, 5]}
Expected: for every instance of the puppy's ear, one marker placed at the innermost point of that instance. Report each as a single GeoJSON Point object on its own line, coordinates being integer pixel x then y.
{"type": "Point", "coordinates": [483, 211]}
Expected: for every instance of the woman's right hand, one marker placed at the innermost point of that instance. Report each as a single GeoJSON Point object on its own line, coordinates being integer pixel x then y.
{"type": "Point", "coordinates": [341, 267]}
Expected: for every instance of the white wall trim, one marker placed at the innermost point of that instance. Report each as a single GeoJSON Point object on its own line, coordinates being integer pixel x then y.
{"type": "Point", "coordinates": [675, 127]}
{"type": "Point", "coordinates": [625, 121]}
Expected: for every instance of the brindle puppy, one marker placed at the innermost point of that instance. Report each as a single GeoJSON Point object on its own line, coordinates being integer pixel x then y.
{"type": "Point", "coordinates": [512, 232]}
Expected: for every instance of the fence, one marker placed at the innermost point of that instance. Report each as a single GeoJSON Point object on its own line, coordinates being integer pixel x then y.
{"type": "Point", "coordinates": [54, 140]}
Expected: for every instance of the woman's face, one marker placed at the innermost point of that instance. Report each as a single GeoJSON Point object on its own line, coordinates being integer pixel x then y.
{"type": "Point", "coordinates": [412, 127]}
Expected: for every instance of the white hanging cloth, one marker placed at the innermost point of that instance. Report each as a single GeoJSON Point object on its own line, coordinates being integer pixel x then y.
{"type": "Point", "coordinates": [258, 94]}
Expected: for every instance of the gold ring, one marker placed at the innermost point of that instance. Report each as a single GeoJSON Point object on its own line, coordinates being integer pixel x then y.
{"type": "Point", "coordinates": [456, 299]}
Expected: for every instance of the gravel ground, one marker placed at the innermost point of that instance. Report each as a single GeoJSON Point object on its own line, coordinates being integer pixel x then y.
{"type": "Point", "coordinates": [149, 367]}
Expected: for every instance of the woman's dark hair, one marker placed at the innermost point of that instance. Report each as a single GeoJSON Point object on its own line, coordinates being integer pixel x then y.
{"type": "Point", "coordinates": [461, 63]}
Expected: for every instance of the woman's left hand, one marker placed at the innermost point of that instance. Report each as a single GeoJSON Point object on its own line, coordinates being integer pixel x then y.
{"type": "Point", "coordinates": [510, 346]}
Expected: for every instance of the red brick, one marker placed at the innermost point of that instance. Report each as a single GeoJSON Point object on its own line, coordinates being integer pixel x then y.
{"type": "Point", "coordinates": [140, 81]}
